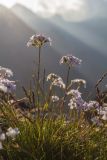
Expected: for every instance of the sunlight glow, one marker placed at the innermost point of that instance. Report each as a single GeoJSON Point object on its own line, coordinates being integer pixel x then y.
{"type": "Point", "coordinates": [46, 5]}
{"type": "Point", "coordinates": [70, 10]}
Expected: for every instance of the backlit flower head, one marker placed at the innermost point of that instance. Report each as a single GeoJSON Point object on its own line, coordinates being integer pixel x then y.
{"type": "Point", "coordinates": [7, 86]}
{"type": "Point", "coordinates": [70, 60]}
{"type": "Point", "coordinates": [76, 101]}
{"type": "Point", "coordinates": [52, 77]}
{"type": "Point", "coordinates": [91, 105]}
{"type": "Point", "coordinates": [79, 82]}
{"type": "Point", "coordinates": [5, 72]}
{"type": "Point", "coordinates": [2, 138]}
{"type": "Point", "coordinates": [38, 40]}
{"type": "Point", "coordinates": [72, 104]}
{"type": "Point", "coordinates": [103, 113]}
{"type": "Point", "coordinates": [104, 117]}
{"type": "Point", "coordinates": [12, 132]}
{"type": "Point", "coordinates": [74, 93]}
{"type": "Point", "coordinates": [56, 80]}
{"type": "Point", "coordinates": [59, 82]}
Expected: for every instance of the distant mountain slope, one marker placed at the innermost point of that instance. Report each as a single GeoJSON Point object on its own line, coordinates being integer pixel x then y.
{"type": "Point", "coordinates": [14, 34]}
{"type": "Point", "coordinates": [92, 31]}
{"type": "Point", "coordinates": [71, 37]}
{"type": "Point", "coordinates": [98, 25]}
{"type": "Point", "coordinates": [14, 54]}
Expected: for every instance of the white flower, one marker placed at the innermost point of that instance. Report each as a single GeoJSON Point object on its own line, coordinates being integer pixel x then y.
{"type": "Point", "coordinates": [74, 93]}
{"type": "Point", "coordinates": [59, 82]}
{"type": "Point", "coordinates": [91, 105]}
{"type": "Point", "coordinates": [3, 88]}
{"type": "Point", "coordinates": [70, 60]}
{"type": "Point", "coordinates": [2, 137]}
{"type": "Point", "coordinates": [76, 101]}
{"type": "Point", "coordinates": [103, 112]}
{"type": "Point", "coordinates": [72, 104]}
{"type": "Point", "coordinates": [38, 40]}
{"type": "Point", "coordinates": [56, 80]}
{"type": "Point", "coordinates": [5, 72]}
{"type": "Point", "coordinates": [79, 81]}
{"type": "Point", "coordinates": [52, 77]}
{"type": "Point", "coordinates": [104, 117]}
{"type": "Point", "coordinates": [7, 85]}
{"type": "Point", "coordinates": [12, 132]}
{"type": "Point", "coordinates": [55, 98]}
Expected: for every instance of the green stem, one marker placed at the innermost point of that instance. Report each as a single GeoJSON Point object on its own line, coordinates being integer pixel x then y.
{"type": "Point", "coordinates": [67, 81]}
{"type": "Point", "coordinates": [39, 61]}
{"type": "Point", "coordinates": [38, 80]}
{"type": "Point", "coordinates": [44, 74]}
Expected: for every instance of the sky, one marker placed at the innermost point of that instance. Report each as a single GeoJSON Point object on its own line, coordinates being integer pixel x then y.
{"type": "Point", "coordinates": [46, 5]}
{"type": "Point", "coordinates": [51, 7]}
{"type": "Point", "coordinates": [69, 9]}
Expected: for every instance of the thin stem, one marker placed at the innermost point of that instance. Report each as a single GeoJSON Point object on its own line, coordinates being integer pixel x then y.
{"type": "Point", "coordinates": [67, 81]}
{"type": "Point", "coordinates": [38, 80]}
{"type": "Point", "coordinates": [39, 61]}
{"type": "Point", "coordinates": [44, 74]}
{"type": "Point", "coordinates": [99, 94]}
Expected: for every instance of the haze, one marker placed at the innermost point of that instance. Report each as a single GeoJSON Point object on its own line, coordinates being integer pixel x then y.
{"type": "Point", "coordinates": [72, 10]}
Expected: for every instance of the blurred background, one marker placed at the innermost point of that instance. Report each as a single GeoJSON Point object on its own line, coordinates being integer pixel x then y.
{"type": "Point", "coordinates": [77, 27]}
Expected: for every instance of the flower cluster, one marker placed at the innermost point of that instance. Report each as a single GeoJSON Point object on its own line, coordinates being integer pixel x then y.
{"type": "Point", "coordinates": [103, 113]}
{"type": "Point", "coordinates": [76, 101]}
{"type": "Point", "coordinates": [79, 82]}
{"type": "Point", "coordinates": [96, 121]}
{"type": "Point", "coordinates": [11, 132]}
{"type": "Point", "coordinates": [38, 40]}
{"type": "Point", "coordinates": [52, 77]}
{"type": "Point", "coordinates": [91, 105]}
{"type": "Point", "coordinates": [70, 60]}
{"type": "Point", "coordinates": [56, 80]}
{"type": "Point", "coordinates": [5, 72]}
{"type": "Point", "coordinates": [59, 82]}
{"type": "Point", "coordinates": [6, 85]}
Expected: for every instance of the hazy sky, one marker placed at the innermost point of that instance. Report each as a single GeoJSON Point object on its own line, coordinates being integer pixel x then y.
{"type": "Point", "coordinates": [69, 9]}
{"type": "Point", "coordinates": [46, 5]}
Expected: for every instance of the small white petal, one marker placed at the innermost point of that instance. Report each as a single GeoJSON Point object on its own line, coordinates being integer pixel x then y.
{"type": "Point", "coordinates": [2, 137]}
{"type": "Point", "coordinates": [12, 132]}
{"type": "Point", "coordinates": [55, 98]}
